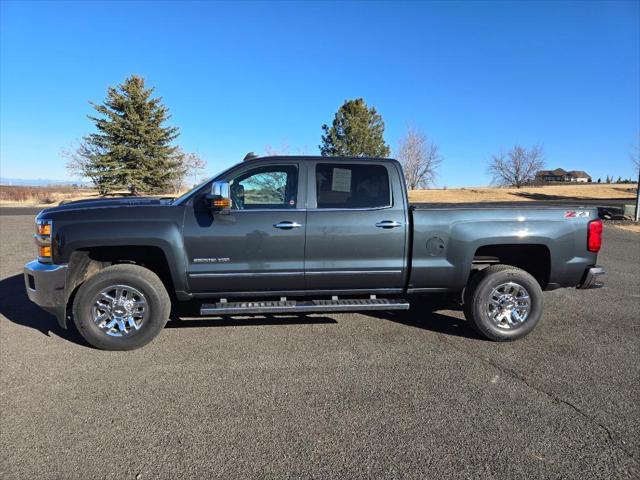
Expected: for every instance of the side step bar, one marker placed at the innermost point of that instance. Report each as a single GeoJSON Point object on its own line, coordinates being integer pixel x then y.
{"type": "Point", "coordinates": [310, 306]}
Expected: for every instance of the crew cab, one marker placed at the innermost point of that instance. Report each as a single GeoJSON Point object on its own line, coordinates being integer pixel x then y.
{"type": "Point", "coordinates": [288, 235]}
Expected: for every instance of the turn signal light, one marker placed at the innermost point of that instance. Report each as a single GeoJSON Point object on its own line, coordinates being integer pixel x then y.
{"type": "Point", "coordinates": [44, 251]}
{"type": "Point", "coordinates": [594, 237]}
{"type": "Point", "coordinates": [44, 229]}
{"type": "Point", "coordinates": [222, 203]}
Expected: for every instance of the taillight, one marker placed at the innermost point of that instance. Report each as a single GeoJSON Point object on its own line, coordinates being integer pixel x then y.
{"type": "Point", "coordinates": [594, 238]}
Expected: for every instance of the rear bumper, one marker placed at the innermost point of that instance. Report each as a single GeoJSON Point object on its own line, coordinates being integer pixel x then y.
{"type": "Point", "coordinates": [592, 278]}
{"type": "Point", "coordinates": [45, 287]}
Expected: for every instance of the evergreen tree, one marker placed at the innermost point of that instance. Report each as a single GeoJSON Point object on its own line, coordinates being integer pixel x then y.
{"type": "Point", "coordinates": [132, 148]}
{"type": "Point", "coordinates": [356, 131]}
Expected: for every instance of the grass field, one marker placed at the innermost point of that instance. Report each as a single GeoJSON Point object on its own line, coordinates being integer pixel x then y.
{"type": "Point", "coordinates": [47, 196]}
{"type": "Point", "coordinates": [24, 196]}
{"type": "Point", "coordinates": [549, 192]}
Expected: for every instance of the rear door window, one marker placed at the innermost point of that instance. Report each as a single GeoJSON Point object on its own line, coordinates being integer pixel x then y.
{"type": "Point", "coordinates": [344, 185]}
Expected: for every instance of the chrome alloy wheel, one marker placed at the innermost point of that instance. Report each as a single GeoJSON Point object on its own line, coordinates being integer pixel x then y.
{"type": "Point", "coordinates": [509, 305]}
{"type": "Point", "coordinates": [119, 310]}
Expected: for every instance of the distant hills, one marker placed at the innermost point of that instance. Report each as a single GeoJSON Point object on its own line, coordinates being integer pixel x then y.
{"type": "Point", "coordinates": [40, 182]}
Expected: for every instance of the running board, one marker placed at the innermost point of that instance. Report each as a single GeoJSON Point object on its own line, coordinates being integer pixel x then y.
{"type": "Point", "coordinates": [293, 306]}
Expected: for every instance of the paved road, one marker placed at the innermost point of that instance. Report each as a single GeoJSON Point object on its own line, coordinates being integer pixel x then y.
{"type": "Point", "coordinates": [24, 211]}
{"type": "Point", "coordinates": [410, 395]}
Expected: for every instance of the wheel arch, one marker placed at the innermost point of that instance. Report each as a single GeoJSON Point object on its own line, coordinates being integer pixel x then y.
{"type": "Point", "coordinates": [533, 258]}
{"type": "Point", "coordinates": [86, 262]}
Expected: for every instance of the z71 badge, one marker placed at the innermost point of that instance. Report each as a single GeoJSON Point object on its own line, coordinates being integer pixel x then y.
{"type": "Point", "coordinates": [576, 213]}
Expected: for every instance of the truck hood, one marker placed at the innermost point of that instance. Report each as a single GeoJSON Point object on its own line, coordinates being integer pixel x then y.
{"type": "Point", "coordinates": [108, 203]}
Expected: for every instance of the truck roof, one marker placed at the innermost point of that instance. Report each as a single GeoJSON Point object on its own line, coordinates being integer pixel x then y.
{"type": "Point", "coordinates": [316, 158]}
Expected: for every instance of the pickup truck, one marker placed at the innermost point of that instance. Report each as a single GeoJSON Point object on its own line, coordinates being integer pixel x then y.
{"type": "Point", "coordinates": [294, 235]}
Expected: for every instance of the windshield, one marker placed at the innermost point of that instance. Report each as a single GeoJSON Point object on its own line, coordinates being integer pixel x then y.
{"type": "Point", "coordinates": [186, 195]}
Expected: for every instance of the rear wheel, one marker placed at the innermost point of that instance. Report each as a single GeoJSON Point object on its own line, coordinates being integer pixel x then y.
{"type": "Point", "coordinates": [122, 307]}
{"type": "Point", "coordinates": [503, 303]}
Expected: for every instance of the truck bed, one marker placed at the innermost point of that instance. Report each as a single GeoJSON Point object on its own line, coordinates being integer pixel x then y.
{"type": "Point", "coordinates": [447, 237]}
{"type": "Point", "coordinates": [603, 205]}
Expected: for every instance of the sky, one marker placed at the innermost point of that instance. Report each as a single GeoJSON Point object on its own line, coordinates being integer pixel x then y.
{"type": "Point", "coordinates": [476, 77]}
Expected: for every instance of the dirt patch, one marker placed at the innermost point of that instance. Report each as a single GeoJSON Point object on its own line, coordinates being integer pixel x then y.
{"type": "Point", "coordinates": [550, 192]}
{"type": "Point", "coordinates": [48, 196]}
{"type": "Point", "coordinates": [17, 195]}
{"type": "Point", "coordinates": [633, 227]}
{"type": "Point", "coordinates": [42, 197]}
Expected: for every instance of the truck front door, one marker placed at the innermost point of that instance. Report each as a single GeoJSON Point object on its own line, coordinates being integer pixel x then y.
{"type": "Point", "coordinates": [259, 245]}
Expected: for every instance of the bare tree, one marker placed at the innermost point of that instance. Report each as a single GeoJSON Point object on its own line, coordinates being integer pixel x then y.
{"type": "Point", "coordinates": [83, 162]}
{"type": "Point", "coordinates": [271, 151]}
{"type": "Point", "coordinates": [194, 166]}
{"type": "Point", "coordinates": [517, 167]}
{"type": "Point", "coordinates": [190, 165]}
{"type": "Point", "coordinates": [420, 158]}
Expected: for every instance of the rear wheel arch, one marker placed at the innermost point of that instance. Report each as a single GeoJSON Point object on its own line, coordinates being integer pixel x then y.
{"type": "Point", "coordinates": [533, 258]}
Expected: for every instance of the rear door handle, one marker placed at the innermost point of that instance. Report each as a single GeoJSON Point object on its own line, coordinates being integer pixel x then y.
{"type": "Point", "coordinates": [388, 224]}
{"type": "Point", "coordinates": [287, 225]}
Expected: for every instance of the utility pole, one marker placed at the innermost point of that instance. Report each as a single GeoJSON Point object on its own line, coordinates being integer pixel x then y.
{"type": "Point", "coordinates": [637, 215]}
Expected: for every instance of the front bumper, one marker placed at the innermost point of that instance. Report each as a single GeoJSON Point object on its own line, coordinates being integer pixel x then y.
{"type": "Point", "coordinates": [45, 285]}
{"type": "Point", "coordinates": [592, 278]}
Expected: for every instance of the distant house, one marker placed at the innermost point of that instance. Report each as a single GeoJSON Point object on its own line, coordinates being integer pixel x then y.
{"type": "Point", "coordinates": [561, 175]}
{"type": "Point", "coordinates": [579, 176]}
{"type": "Point", "coordinates": [557, 175]}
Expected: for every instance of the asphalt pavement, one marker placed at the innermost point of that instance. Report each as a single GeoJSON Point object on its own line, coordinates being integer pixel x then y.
{"type": "Point", "coordinates": [406, 395]}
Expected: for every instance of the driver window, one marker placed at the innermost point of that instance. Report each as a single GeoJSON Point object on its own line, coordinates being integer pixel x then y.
{"type": "Point", "coordinates": [273, 186]}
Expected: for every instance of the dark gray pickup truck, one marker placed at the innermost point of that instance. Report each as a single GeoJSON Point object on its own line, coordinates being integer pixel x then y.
{"type": "Point", "coordinates": [280, 235]}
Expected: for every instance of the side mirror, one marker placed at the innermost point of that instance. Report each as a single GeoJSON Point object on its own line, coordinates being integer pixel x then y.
{"type": "Point", "coordinates": [220, 198]}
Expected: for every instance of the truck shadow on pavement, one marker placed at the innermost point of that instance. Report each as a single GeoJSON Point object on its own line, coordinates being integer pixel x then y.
{"type": "Point", "coordinates": [188, 316]}
{"type": "Point", "coordinates": [18, 309]}
{"type": "Point", "coordinates": [423, 315]}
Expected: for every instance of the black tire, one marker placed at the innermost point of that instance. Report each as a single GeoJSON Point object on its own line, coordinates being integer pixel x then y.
{"type": "Point", "coordinates": [478, 291]}
{"type": "Point", "coordinates": [157, 306]}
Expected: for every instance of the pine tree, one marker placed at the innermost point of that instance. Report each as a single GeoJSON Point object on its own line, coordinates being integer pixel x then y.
{"type": "Point", "coordinates": [132, 149]}
{"type": "Point", "coordinates": [356, 131]}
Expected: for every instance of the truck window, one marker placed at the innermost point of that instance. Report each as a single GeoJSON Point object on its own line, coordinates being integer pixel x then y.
{"type": "Point", "coordinates": [343, 185]}
{"type": "Point", "coordinates": [272, 186]}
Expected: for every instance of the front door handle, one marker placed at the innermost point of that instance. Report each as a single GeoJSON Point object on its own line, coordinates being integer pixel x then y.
{"type": "Point", "coordinates": [388, 224]}
{"type": "Point", "coordinates": [287, 225]}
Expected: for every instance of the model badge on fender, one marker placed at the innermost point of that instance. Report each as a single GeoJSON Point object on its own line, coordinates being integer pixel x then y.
{"type": "Point", "coordinates": [576, 213]}
{"type": "Point", "coordinates": [212, 260]}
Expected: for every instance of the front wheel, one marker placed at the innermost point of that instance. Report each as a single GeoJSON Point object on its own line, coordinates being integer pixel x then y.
{"type": "Point", "coordinates": [503, 303]}
{"type": "Point", "coordinates": [122, 307]}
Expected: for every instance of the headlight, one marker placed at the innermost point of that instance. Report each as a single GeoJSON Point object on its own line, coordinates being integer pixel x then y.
{"type": "Point", "coordinates": [43, 239]}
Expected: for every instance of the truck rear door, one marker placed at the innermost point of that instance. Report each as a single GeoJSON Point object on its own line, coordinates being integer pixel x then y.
{"type": "Point", "coordinates": [356, 226]}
